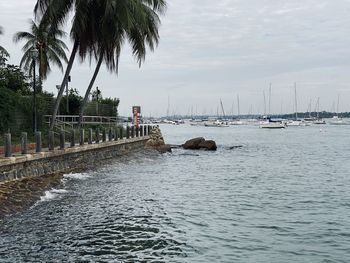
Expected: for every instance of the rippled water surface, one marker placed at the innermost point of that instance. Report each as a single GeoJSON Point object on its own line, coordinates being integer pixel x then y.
{"type": "Point", "coordinates": [283, 197]}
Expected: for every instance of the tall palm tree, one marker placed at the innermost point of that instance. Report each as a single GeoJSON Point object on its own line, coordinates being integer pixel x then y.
{"type": "Point", "coordinates": [113, 32]}
{"type": "Point", "coordinates": [86, 27]}
{"type": "Point", "coordinates": [52, 50]}
{"type": "Point", "coordinates": [3, 52]}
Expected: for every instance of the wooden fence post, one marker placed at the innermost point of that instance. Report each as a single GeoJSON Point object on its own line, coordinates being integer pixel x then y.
{"type": "Point", "coordinates": [127, 132]}
{"type": "Point", "coordinates": [72, 138]}
{"type": "Point", "coordinates": [8, 145]}
{"type": "Point", "coordinates": [121, 135]}
{"type": "Point", "coordinates": [115, 130]}
{"type": "Point", "coordinates": [141, 131]}
{"type": "Point", "coordinates": [104, 135]}
{"type": "Point", "coordinates": [24, 143]}
{"type": "Point", "coordinates": [38, 142]}
{"type": "Point", "coordinates": [97, 135]}
{"type": "Point", "coordinates": [51, 141]}
{"type": "Point", "coordinates": [110, 134]}
{"type": "Point", "coordinates": [132, 131]}
{"type": "Point", "coordinates": [82, 137]}
{"type": "Point", "coordinates": [90, 136]}
{"type": "Point", "coordinates": [62, 139]}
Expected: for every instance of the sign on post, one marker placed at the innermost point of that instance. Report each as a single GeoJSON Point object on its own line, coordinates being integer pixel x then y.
{"type": "Point", "coordinates": [136, 110]}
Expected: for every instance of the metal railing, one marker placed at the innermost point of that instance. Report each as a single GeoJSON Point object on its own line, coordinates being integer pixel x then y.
{"type": "Point", "coordinates": [92, 137]}
{"type": "Point", "coordinates": [73, 120]}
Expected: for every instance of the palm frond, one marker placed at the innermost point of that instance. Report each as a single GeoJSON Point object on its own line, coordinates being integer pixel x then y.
{"type": "Point", "coordinates": [45, 38]}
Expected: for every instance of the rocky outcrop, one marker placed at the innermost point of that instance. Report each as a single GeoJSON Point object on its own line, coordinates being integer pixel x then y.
{"type": "Point", "coordinates": [208, 145]}
{"type": "Point", "coordinates": [200, 143]}
{"type": "Point", "coordinates": [193, 144]}
{"type": "Point", "coordinates": [166, 148]}
{"type": "Point", "coordinates": [156, 141]}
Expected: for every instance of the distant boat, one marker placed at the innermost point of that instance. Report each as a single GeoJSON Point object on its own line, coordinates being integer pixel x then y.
{"type": "Point", "coordinates": [197, 122]}
{"type": "Point", "coordinates": [336, 120]}
{"type": "Point", "coordinates": [318, 120]}
{"type": "Point", "coordinates": [273, 125]}
{"type": "Point", "coordinates": [236, 122]}
{"type": "Point", "coordinates": [268, 123]}
{"type": "Point", "coordinates": [216, 123]}
{"type": "Point", "coordinates": [295, 122]}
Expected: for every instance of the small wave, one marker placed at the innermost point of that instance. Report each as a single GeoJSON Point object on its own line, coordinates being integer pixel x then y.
{"type": "Point", "coordinates": [78, 176]}
{"type": "Point", "coordinates": [52, 194]}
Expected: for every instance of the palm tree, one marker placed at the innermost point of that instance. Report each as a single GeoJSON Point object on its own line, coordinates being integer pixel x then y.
{"type": "Point", "coordinates": [52, 50]}
{"type": "Point", "coordinates": [3, 52]}
{"type": "Point", "coordinates": [86, 27]}
{"type": "Point", "coordinates": [114, 32]}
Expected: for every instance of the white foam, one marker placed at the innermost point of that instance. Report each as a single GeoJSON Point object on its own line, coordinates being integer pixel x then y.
{"type": "Point", "coordinates": [78, 176]}
{"type": "Point", "coordinates": [52, 194]}
{"type": "Point", "coordinates": [59, 191]}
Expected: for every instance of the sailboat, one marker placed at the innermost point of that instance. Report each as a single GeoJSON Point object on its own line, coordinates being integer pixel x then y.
{"type": "Point", "coordinates": [238, 121]}
{"type": "Point", "coordinates": [217, 122]}
{"type": "Point", "coordinates": [336, 120]}
{"type": "Point", "coordinates": [266, 122]}
{"type": "Point", "coordinates": [295, 122]}
{"type": "Point", "coordinates": [318, 120]}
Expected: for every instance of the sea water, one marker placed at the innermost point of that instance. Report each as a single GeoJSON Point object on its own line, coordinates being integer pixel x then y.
{"type": "Point", "coordinates": [284, 196]}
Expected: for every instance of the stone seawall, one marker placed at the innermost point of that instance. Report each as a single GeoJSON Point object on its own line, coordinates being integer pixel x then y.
{"type": "Point", "coordinates": [66, 160]}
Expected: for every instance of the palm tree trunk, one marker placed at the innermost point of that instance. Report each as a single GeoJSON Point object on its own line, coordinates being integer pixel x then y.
{"type": "Point", "coordinates": [83, 105]}
{"type": "Point", "coordinates": [63, 85]}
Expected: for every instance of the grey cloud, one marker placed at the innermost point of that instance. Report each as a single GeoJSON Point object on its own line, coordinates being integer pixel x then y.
{"type": "Point", "coordinates": [217, 49]}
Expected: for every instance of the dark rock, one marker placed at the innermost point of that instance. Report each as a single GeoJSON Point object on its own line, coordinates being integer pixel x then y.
{"type": "Point", "coordinates": [175, 146]}
{"type": "Point", "coordinates": [190, 154]}
{"type": "Point", "coordinates": [193, 144]}
{"type": "Point", "coordinates": [235, 147]}
{"type": "Point", "coordinates": [209, 145]}
{"type": "Point", "coordinates": [166, 148]}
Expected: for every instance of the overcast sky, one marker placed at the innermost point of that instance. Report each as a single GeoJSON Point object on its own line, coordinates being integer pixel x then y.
{"type": "Point", "coordinates": [212, 50]}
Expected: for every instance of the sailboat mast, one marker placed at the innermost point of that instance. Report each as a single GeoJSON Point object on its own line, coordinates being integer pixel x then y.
{"type": "Point", "coordinates": [296, 104]}
{"type": "Point", "coordinates": [222, 108]}
{"type": "Point", "coordinates": [264, 102]}
{"type": "Point", "coordinates": [238, 106]}
{"type": "Point", "coordinates": [168, 108]}
{"type": "Point", "coordinates": [309, 108]}
{"type": "Point", "coordinates": [338, 106]}
{"type": "Point", "coordinates": [270, 99]}
{"type": "Point", "coordinates": [232, 107]}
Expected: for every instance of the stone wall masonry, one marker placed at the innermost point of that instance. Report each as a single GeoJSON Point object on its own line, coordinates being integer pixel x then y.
{"type": "Point", "coordinates": [66, 160]}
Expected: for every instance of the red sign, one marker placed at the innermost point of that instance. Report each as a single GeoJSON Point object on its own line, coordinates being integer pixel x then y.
{"type": "Point", "coordinates": [136, 109]}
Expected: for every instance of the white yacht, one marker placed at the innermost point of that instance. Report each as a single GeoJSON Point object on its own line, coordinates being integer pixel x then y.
{"type": "Point", "coordinates": [267, 123]}
{"type": "Point", "coordinates": [216, 123]}
{"type": "Point", "coordinates": [336, 120]}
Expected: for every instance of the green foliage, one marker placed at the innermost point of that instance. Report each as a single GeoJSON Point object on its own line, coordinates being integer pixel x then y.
{"type": "Point", "coordinates": [16, 101]}
{"type": "Point", "coordinates": [99, 106]}
{"type": "Point", "coordinates": [51, 49]}
{"type": "Point", "coordinates": [112, 107]}
{"type": "Point", "coordinates": [14, 79]}
{"type": "Point", "coordinates": [8, 101]}
{"type": "Point", "coordinates": [4, 55]}
{"type": "Point", "coordinates": [74, 102]}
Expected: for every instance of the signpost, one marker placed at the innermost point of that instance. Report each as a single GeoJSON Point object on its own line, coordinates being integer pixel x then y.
{"type": "Point", "coordinates": [136, 110]}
